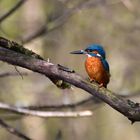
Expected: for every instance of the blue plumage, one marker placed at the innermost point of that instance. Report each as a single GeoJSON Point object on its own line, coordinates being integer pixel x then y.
{"type": "Point", "coordinates": [99, 48]}
{"type": "Point", "coordinates": [96, 65]}
{"type": "Point", "coordinates": [106, 65]}
{"type": "Point", "coordinates": [96, 47]}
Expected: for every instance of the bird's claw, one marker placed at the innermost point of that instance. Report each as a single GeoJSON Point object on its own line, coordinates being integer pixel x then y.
{"type": "Point", "coordinates": [91, 80]}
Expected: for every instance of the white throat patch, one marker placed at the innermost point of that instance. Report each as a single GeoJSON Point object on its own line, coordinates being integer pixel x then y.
{"type": "Point", "coordinates": [99, 55]}
{"type": "Point", "coordinates": [88, 55]}
{"type": "Point", "coordinates": [96, 54]}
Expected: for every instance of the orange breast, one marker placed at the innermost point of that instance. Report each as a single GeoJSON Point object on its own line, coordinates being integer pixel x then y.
{"type": "Point", "coordinates": [96, 71]}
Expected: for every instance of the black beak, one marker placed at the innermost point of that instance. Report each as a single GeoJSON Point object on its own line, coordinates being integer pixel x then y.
{"type": "Point", "coordinates": [78, 52]}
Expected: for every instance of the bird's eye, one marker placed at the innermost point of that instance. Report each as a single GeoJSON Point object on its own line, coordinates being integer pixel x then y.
{"type": "Point", "coordinates": [96, 52]}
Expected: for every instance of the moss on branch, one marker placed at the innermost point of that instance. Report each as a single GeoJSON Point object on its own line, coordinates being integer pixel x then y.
{"type": "Point", "coordinates": [14, 46]}
{"type": "Point", "coordinates": [18, 48]}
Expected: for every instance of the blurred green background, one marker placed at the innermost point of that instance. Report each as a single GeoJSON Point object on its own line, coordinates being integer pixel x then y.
{"type": "Point", "coordinates": [72, 25]}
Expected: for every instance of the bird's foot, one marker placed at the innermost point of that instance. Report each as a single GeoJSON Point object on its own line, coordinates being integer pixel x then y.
{"type": "Point", "coordinates": [93, 80]}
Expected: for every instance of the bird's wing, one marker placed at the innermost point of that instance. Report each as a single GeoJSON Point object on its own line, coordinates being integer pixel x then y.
{"type": "Point", "coordinates": [106, 65]}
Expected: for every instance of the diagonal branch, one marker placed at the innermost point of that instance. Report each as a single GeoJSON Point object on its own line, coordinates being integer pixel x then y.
{"type": "Point", "coordinates": [12, 10]}
{"type": "Point", "coordinates": [11, 45]}
{"type": "Point", "coordinates": [59, 21]}
{"type": "Point", "coordinates": [128, 108]}
{"type": "Point", "coordinates": [13, 130]}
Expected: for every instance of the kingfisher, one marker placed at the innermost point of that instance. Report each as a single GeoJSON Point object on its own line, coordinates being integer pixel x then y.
{"type": "Point", "coordinates": [96, 64]}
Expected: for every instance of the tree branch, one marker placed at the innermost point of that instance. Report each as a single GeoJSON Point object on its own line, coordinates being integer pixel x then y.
{"type": "Point", "coordinates": [88, 101]}
{"type": "Point", "coordinates": [83, 103]}
{"type": "Point", "coordinates": [92, 100]}
{"type": "Point", "coordinates": [11, 45]}
{"type": "Point", "coordinates": [45, 114]}
{"type": "Point", "coordinates": [128, 108]}
{"type": "Point", "coordinates": [12, 10]}
{"type": "Point", "coordinates": [13, 130]}
{"type": "Point", "coordinates": [59, 21]}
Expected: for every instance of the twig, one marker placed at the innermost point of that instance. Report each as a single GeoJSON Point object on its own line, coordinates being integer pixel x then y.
{"type": "Point", "coordinates": [12, 10]}
{"type": "Point", "coordinates": [84, 102]}
{"type": "Point", "coordinates": [61, 20]}
{"type": "Point", "coordinates": [5, 74]}
{"type": "Point", "coordinates": [13, 130]}
{"type": "Point", "coordinates": [18, 72]}
{"type": "Point", "coordinates": [58, 22]}
{"type": "Point", "coordinates": [46, 114]}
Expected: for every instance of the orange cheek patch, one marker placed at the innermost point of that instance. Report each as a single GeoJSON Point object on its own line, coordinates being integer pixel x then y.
{"type": "Point", "coordinates": [95, 52]}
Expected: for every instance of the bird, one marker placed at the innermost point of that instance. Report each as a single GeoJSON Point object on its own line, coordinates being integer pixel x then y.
{"type": "Point", "coordinates": [96, 64]}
